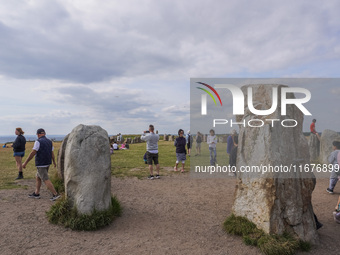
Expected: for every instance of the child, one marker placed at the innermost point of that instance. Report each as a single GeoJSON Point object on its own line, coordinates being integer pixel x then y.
{"type": "Point", "coordinates": [115, 146]}
{"type": "Point", "coordinates": [333, 159]}
{"type": "Point", "coordinates": [211, 141]}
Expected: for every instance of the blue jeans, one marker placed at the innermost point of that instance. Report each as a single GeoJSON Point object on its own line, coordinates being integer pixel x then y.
{"type": "Point", "coordinates": [213, 155]}
{"type": "Point", "coordinates": [332, 183]}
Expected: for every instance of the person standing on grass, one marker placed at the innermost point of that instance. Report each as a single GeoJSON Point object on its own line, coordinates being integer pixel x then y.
{"type": "Point", "coordinates": [44, 155]}
{"type": "Point", "coordinates": [333, 159]}
{"type": "Point", "coordinates": [230, 144]}
{"type": "Point", "coordinates": [212, 141]}
{"type": "Point", "coordinates": [233, 155]}
{"type": "Point", "coordinates": [180, 150]}
{"type": "Point", "coordinates": [189, 142]}
{"type": "Point", "coordinates": [198, 143]}
{"type": "Point", "coordinates": [19, 150]}
{"type": "Point", "coordinates": [151, 150]}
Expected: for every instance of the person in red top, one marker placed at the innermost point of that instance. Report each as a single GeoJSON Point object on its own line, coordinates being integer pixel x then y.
{"type": "Point", "coordinates": [312, 129]}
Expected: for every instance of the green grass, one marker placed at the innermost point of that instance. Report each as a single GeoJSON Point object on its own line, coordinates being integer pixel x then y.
{"type": "Point", "coordinates": [124, 163]}
{"type": "Point", "coordinates": [63, 213]}
{"type": "Point", "coordinates": [284, 244]}
{"type": "Point", "coordinates": [9, 170]}
{"type": "Point", "coordinates": [129, 163]}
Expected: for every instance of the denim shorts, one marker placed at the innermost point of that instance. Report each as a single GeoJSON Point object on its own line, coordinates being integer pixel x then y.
{"type": "Point", "coordinates": [19, 154]}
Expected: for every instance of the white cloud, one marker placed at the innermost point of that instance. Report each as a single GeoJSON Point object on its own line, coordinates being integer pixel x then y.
{"type": "Point", "coordinates": [114, 61]}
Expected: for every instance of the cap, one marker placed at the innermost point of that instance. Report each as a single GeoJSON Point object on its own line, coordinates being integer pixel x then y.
{"type": "Point", "coordinates": [40, 131]}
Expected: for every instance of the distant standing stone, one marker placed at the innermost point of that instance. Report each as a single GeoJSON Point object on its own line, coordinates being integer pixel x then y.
{"type": "Point", "coordinates": [88, 169]}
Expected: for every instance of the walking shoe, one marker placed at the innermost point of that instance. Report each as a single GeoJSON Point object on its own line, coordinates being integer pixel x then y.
{"type": "Point", "coordinates": [329, 191]}
{"type": "Point", "coordinates": [33, 195]}
{"type": "Point", "coordinates": [150, 177]}
{"type": "Point", "coordinates": [157, 176]}
{"type": "Point", "coordinates": [55, 197]}
{"type": "Point", "coordinates": [318, 225]}
{"type": "Point", "coordinates": [20, 176]}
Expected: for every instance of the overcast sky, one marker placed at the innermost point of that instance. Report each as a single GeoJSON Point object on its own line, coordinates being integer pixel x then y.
{"type": "Point", "coordinates": [126, 64]}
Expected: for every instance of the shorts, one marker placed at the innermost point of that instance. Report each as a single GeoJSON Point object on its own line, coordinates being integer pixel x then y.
{"type": "Point", "coordinates": [189, 145]}
{"type": "Point", "coordinates": [19, 154]}
{"type": "Point", "coordinates": [152, 157]}
{"type": "Point", "coordinates": [181, 157]}
{"type": "Point", "coordinates": [42, 172]}
{"type": "Point", "coordinates": [198, 145]}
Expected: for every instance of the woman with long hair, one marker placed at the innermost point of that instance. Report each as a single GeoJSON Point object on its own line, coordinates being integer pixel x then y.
{"type": "Point", "coordinates": [19, 150]}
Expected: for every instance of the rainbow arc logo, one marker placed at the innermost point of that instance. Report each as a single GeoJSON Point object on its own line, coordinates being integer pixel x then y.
{"type": "Point", "coordinates": [209, 93]}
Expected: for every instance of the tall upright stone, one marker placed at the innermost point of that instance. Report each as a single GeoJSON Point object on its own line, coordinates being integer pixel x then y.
{"type": "Point", "coordinates": [88, 169]}
{"type": "Point", "coordinates": [314, 147]}
{"type": "Point", "coordinates": [327, 139]}
{"type": "Point", "coordinates": [61, 158]}
{"type": "Point", "coordinates": [276, 202]}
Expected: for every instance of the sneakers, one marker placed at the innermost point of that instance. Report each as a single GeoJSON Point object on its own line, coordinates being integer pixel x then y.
{"type": "Point", "coordinates": [329, 191]}
{"type": "Point", "coordinates": [151, 177]}
{"type": "Point", "coordinates": [20, 176]}
{"type": "Point", "coordinates": [55, 197]}
{"type": "Point", "coordinates": [33, 195]}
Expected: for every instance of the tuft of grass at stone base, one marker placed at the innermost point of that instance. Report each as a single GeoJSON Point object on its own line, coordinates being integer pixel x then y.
{"type": "Point", "coordinates": [63, 213]}
{"type": "Point", "coordinates": [285, 244]}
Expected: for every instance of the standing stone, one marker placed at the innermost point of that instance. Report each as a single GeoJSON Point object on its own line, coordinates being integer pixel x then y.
{"type": "Point", "coordinates": [128, 140]}
{"type": "Point", "coordinates": [166, 137]}
{"type": "Point", "coordinates": [205, 138]}
{"type": "Point", "coordinates": [327, 139]}
{"type": "Point", "coordinates": [275, 202]}
{"type": "Point", "coordinates": [88, 169]}
{"type": "Point", "coordinates": [170, 138]}
{"type": "Point", "coordinates": [61, 158]}
{"type": "Point", "coordinates": [314, 147]}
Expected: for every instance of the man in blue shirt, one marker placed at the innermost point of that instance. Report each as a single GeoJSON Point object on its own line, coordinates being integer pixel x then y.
{"type": "Point", "coordinates": [44, 155]}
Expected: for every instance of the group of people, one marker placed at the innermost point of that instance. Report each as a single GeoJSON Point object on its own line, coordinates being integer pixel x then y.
{"type": "Point", "coordinates": [115, 146]}
{"type": "Point", "coordinates": [44, 156]}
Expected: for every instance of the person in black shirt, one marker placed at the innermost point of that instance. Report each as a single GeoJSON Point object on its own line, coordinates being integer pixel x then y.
{"type": "Point", "coordinates": [180, 150]}
{"type": "Point", "coordinates": [19, 150]}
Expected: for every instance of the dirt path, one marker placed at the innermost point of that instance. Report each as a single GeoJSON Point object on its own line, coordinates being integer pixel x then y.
{"type": "Point", "coordinates": [173, 215]}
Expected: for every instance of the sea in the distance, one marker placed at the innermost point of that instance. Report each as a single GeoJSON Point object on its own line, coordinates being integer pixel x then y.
{"type": "Point", "coordinates": [11, 138]}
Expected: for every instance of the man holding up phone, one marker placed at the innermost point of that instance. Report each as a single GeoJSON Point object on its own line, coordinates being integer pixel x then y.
{"type": "Point", "coordinates": [151, 150]}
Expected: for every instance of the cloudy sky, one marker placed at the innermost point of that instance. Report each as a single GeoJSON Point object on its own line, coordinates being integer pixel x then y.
{"type": "Point", "coordinates": [125, 64]}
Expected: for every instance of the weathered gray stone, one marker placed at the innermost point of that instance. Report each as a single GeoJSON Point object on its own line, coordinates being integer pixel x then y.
{"type": "Point", "coordinates": [275, 202]}
{"type": "Point", "coordinates": [166, 137]}
{"type": "Point", "coordinates": [128, 140]}
{"type": "Point", "coordinates": [61, 158]}
{"type": "Point", "coordinates": [314, 147]}
{"type": "Point", "coordinates": [88, 169]}
{"type": "Point", "coordinates": [326, 147]}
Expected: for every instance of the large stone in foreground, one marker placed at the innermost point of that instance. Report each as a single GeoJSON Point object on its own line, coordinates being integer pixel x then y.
{"type": "Point", "coordinates": [88, 169]}
{"type": "Point", "coordinates": [326, 147]}
{"type": "Point", "coordinates": [275, 202]}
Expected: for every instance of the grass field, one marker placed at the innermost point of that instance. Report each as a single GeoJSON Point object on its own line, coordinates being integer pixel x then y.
{"type": "Point", "coordinates": [124, 163]}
